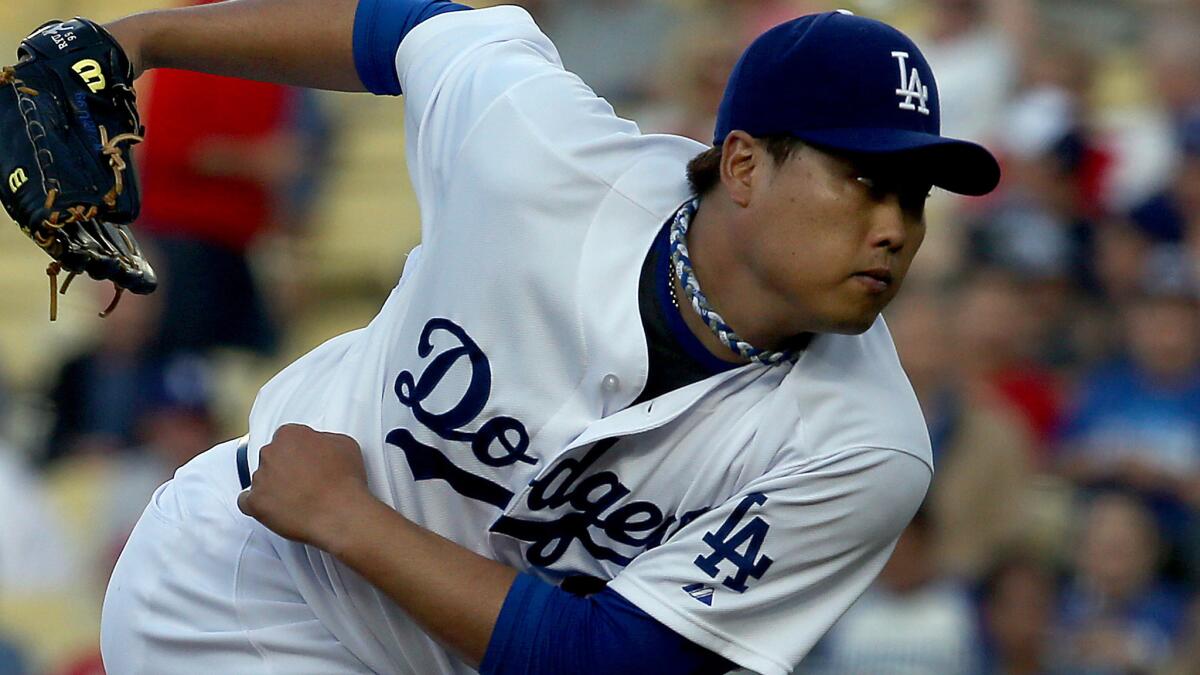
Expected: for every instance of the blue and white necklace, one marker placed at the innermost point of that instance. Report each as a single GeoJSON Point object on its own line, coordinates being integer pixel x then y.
{"type": "Point", "coordinates": [681, 263]}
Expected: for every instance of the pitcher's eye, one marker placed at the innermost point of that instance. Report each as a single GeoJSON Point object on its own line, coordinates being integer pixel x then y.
{"type": "Point", "coordinates": [869, 183]}
{"type": "Point", "coordinates": [875, 187]}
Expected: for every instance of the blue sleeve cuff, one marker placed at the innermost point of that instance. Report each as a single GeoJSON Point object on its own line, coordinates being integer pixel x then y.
{"type": "Point", "coordinates": [523, 605]}
{"type": "Point", "coordinates": [379, 28]}
{"type": "Point", "coordinates": [544, 629]}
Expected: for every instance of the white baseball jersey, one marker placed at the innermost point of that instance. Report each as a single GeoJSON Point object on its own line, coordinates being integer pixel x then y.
{"type": "Point", "coordinates": [492, 394]}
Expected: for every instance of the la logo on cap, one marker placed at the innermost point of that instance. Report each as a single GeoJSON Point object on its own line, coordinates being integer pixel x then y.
{"type": "Point", "coordinates": [910, 86]}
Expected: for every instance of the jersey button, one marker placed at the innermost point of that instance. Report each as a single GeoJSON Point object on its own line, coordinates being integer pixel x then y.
{"type": "Point", "coordinates": [610, 383]}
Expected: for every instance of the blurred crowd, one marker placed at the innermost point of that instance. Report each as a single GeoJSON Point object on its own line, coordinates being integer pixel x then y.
{"type": "Point", "coordinates": [1051, 331]}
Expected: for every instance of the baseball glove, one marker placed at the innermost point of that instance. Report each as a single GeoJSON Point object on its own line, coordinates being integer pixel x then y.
{"type": "Point", "coordinates": [67, 120]}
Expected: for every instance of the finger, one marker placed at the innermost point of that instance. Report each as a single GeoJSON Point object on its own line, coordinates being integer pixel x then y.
{"type": "Point", "coordinates": [243, 502]}
{"type": "Point", "coordinates": [291, 428]}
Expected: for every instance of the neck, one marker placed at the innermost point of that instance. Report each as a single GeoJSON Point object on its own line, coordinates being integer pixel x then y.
{"type": "Point", "coordinates": [700, 329]}
{"type": "Point", "coordinates": [731, 286]}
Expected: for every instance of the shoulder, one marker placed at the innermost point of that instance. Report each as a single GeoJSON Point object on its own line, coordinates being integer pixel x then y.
{"type": "Point", "coordinates": [489, 102]}
{"type": "Point", "coordinates": [849, 391]}
{"type": "Point", "coordinates": [478, 26]}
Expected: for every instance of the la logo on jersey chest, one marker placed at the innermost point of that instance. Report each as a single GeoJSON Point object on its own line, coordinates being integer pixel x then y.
{"type": "Point", "coordinates": [913, 95]}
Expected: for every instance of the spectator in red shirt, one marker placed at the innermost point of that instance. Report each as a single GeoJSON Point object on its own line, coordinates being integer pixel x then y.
{"type": "Point", "coordinates": [218, 168]}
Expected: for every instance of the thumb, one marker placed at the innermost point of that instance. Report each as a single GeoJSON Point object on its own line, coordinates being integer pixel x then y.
{"type": "Point", "coordinates": [243, 502]}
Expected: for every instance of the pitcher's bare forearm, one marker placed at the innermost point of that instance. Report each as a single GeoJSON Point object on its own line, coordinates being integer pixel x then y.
{"type": "Point", "coordinates": [311, 487]}
{"type": "Point", "coordinates": [307, 43]}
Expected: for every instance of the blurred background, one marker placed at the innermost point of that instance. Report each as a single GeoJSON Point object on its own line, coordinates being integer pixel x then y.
{"type": "Point", "coordinates": [1051, 330]}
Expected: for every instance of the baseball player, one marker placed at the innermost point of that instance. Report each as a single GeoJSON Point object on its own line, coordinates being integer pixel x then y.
{"type": "Point", "coordinates": [631, 407]}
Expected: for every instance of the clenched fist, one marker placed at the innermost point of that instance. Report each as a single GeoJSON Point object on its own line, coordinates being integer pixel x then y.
{"type": "Point", "coordinates": [309, 485]}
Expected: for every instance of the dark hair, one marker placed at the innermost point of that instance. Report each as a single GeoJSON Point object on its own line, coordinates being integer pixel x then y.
{"type": "Point", "coordinates": [704, 171]}
{"type": "Point", "coordinates": [1021, 557]}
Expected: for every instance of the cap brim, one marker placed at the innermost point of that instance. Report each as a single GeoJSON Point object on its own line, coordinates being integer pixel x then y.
{"type": "Point", "coordinates": [951, 164]}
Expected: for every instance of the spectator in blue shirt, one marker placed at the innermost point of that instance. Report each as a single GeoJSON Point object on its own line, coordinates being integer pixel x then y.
{"type": "Point", "coordinates": [1137, 424]}
{"type": "Point", "coordinates": [1117, 616]}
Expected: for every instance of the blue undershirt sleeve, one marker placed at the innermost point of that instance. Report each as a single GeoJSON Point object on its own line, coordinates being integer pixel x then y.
{"type": "Point", "coordinates": [544, 629]}
{"type": "Point", "coordinates": [379, 28]}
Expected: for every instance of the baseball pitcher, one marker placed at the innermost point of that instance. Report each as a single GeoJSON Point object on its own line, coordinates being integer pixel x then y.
{"type": "Point", "coordinates": [630, 408]}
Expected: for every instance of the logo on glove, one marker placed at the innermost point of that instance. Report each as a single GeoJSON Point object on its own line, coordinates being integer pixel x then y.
{"type": "Point", "coordinates": [91, 74]}
{"type": "Point", "coordinates": [17, 179]}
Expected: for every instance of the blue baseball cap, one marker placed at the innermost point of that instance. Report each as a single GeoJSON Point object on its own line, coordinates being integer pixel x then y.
{"type": "Point", "coordinates": [850, 84]}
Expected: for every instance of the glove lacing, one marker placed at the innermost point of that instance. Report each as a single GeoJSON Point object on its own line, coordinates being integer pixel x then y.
{"type": "Point", "coordinates": [8, 75]}
{"type": "Point", "coordinates": [116, 160]}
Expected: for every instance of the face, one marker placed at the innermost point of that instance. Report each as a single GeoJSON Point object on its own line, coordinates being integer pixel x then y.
{"type": "Point", "coordinates": [1163, 335]}
{"type": "Point", "coordinates": [992, 325]}
{"type": "Point", "coordinates": [1019, 611]}
{"type": "Point", "coordinates": [911, 564]}
{"type": "Point", "coordinates": [919, 329]}
{"type": "Point", "coordinates": [1119, 547]}
{"type": "Point", "coordinates": [828, 238]}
